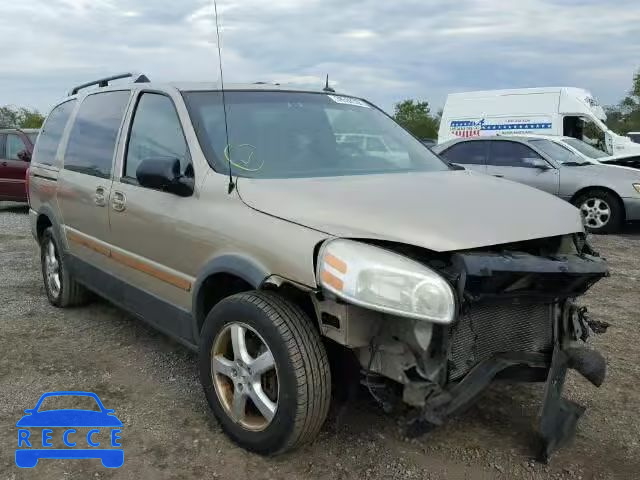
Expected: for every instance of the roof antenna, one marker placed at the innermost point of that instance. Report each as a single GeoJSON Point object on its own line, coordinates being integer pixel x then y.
{"type": "Point", "coordinates": [227, 150]}
{"type": "Point", "coordinates": [327, 88]}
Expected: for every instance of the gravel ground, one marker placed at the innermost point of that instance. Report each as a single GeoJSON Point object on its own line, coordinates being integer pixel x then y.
{"type": "Point", "coordinates": [169, 433]}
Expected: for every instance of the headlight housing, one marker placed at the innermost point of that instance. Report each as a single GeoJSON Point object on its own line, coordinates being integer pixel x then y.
{"type": "Point", "coordinates": [381, 280]}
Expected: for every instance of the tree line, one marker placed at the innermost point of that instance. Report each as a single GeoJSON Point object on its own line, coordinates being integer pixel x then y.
{"type": "Point", "coordinates": [20, 117]}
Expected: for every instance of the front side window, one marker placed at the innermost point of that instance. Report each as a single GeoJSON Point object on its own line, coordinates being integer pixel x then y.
{"type": "Point", "coordinates": [155, 133]}
{"type": "Point", "coordinates": [15, 145]}
{"type": "Point", "coordinates": [558, 153]}
{"type": "Point", "coordinates": [289, 134]}
{"type": "Point", "coordinates": [467, 153]}
{"type": "Point", "coordinates": [504, 153]}
{"type": "Point", "coordinates": [94, 133]}
{"type": "Point", "coordinates": [51, 134]}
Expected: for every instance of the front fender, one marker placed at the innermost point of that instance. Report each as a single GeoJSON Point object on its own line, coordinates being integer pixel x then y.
{"type": "Point", "coordinates": [241, 266]}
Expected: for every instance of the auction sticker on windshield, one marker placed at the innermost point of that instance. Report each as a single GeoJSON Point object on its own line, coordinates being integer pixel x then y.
{"type": "Point", "coordinates": [48, 431]}
{"type": "Point", "coordinates": [348, 101]}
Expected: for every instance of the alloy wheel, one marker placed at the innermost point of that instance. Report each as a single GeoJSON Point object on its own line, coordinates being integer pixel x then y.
{"type": "Point", "coordinates": [245, 376]}
{"type": "Point", "coordinates": [52, 268]}
{"type": "Point", "coordinates": [596, 213]}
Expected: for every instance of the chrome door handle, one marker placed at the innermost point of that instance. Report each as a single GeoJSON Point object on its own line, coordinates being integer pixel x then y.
{"type": "Point", "coordinates": [99, 198]}
{"type": "Point", "coordinates": [118, 202]}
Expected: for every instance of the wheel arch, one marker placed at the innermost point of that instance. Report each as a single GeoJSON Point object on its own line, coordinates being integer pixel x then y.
{"type": "Point", "coordinates": [233, 273]}
{"type": "Point", "coordinates": [47, 218]}
{"type": "Point", "coordinates": [220, 277]}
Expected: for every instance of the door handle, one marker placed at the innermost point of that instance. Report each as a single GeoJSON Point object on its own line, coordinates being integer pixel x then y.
{"type": "Point", "coordinates": [499, 176]}
{"type": "Point", "coordinates": [118, 202]}
{"type": "Point", "coordinates": [99, 198]}
{"type": "Point", "coordinates": [4, 164]}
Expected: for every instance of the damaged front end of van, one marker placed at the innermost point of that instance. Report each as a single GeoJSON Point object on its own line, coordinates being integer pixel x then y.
{"type": "Point", "coordinates": [436, 329]}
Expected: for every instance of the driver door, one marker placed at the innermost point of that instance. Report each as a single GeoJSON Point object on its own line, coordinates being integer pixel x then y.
{"type": "Point", "coordinates": [150, 231]}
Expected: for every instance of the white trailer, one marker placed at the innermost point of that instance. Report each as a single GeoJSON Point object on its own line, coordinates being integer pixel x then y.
{"type": "Point", "coordinates": [562, 111]}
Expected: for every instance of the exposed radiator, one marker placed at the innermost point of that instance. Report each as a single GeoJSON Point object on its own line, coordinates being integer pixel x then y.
{"type": "Point", "coordinates": [487, 329]}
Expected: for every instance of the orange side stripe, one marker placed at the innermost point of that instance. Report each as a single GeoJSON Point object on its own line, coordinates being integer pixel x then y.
{"type": "Point", "coordinates": [330, 279]}
{"type": "Point", "coordinates": [130, 261]}
{"type": "Point", "coordinates": [336, 263]}
{"type": "Point", "coordinates": [90, 244]}
{"type": "Point", "coordinates": [151, 270]}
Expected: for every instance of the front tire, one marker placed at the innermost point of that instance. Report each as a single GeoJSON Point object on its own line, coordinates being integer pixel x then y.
{"type": "Point", "coordinates": [601, 211]}
{"type": "Point", "coordinates": [61, 288]}
{"type": "Point", "coordinates": [265, 372]}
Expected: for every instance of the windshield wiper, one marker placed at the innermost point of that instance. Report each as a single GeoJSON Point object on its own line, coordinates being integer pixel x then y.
{"type": "Point", "coordinates": [576, 164]}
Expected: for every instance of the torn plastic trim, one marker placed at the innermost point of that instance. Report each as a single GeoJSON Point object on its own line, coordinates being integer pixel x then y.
{"type": "Point", "coordinates": [558, 417]}
{"type": "Point", "coordinates": [485, 275]}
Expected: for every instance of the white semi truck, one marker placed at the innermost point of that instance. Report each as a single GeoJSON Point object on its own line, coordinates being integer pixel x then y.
{"type": "Point", "coordinates": [563, 111]}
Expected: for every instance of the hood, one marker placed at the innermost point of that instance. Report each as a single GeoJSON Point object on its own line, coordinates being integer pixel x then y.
{"type": "Point", "coordinates": [440, 211]}
{"type": "Point", "coordinates": [631, 162]}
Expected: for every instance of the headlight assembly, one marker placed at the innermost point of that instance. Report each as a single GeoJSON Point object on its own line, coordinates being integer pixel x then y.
{"type": "Point", "coordinates": [378, 279]}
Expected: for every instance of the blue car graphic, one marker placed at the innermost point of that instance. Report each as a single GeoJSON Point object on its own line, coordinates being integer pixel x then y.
{"type": "Point", "coordinates": [28, 453]}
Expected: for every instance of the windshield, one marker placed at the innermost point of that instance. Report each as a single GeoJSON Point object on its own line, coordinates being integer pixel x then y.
{"type": "Point", "coordinates": [558, 153]}
{"type": "Point", "coordinates": [287, 134]}
{"type": "Point", "coordinates": [584, 148]}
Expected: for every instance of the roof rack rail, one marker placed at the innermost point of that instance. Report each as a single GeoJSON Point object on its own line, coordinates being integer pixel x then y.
{"type": "Point", "coordinates": [103, 82]}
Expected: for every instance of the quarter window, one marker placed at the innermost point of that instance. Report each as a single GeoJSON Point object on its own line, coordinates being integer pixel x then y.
{"type": "Point", "coordinates": [15, 145]}
{"type": "Point", "coordinates": [95, 132]}
{"type": "Point", "coordinates": [51, 133]}
{"type": "Point", "coordinates": [511, 154]}
{"type": "Point", "coordinates": [467, 153]}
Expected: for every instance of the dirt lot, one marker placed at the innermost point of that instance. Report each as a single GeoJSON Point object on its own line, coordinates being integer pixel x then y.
{"type": "Point", "coordinates": [152, 384]}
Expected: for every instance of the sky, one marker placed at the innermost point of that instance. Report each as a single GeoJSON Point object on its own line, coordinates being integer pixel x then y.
{"type": "Point", "coordinates": [386, 51]}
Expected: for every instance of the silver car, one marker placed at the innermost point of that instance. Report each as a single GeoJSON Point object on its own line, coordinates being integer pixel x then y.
{"type": "Point", "coordinates": [606, 196]}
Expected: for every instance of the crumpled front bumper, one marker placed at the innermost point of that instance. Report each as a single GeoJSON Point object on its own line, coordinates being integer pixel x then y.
{"type": "Point", "coordinates": [498, 342]}
{"type": "Point", "coordinates": [559, 416]}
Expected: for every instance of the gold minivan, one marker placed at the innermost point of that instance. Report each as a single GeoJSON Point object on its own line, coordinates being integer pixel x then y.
{"type": "Point", "coordinates": [241, 223]}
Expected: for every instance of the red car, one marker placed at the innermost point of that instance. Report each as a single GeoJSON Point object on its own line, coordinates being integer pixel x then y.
{"type": "Point", "coordinates": [16, 147]}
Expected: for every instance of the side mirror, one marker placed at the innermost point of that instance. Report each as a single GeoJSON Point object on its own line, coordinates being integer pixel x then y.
{"type": "Point", "coordinates": [163, 173]}
{"type": "Point", "coordinates": [24, 155]}
{"type": "Point", "coordinates": [538, 163]}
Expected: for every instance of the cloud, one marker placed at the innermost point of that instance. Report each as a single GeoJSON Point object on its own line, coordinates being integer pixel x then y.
{"type": "Point", "coordinates": [385, 51]}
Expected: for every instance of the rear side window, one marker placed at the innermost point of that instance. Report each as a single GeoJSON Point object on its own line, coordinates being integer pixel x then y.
{"type": "Point", "coordinates": [511, 154]}
{"type": "Point", "coordinates": [51, 133]}
{"type": "Point", "coordinates": [94, 134]}
{"type": "Point", "coordinates": [155, 133]}
{"type": "Point", "coordinates": [469, 153]}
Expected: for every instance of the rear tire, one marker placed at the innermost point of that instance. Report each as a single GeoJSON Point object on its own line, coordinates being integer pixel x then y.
{"type": "Point", "coordinates": [62, 289]}
{"type": "Point", "coordinates": [593, 204]}
{"type": "Point", "coordinates": [303, 380]}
